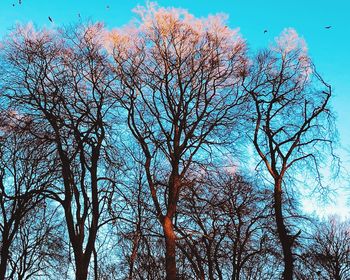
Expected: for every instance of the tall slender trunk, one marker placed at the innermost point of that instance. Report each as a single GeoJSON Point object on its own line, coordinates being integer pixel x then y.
{"type": "Point", "coordinates": [4, 259]}
{"type": "Point", "coordinates": [234, 262]}
{"type": "Point", "coordinates": [82, 267]}
{"type": "Point", "coordinates": [170, 245]}
{"type": "Point", "coordinates": [133, 256]}
{"type": "Point", "coordinates": [285, 239]}
{"type": "Point", "coordinates": [95, 265]}
{"type": "Point", "coordinates": [211, 267]}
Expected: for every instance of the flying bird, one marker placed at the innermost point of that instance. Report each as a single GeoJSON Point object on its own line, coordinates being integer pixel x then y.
{"type": "Point", "coordinates": [107, 7]}
{"type": "Point", "coordinates": [265, 31]}
{"type": "Point", "coordinates": [328, 27]}
{"type": "Point", "coordinates": [50, 19]}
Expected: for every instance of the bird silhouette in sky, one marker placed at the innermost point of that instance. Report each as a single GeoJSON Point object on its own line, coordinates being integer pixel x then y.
{"type": "Point", "coordinates": [107, 7]}
{"type": "Point", "coordinates": [328, 27]}
{"type": "Point", "coordinates": [50, 19]}
{"type": "Point", "coordinates": [265, 31]}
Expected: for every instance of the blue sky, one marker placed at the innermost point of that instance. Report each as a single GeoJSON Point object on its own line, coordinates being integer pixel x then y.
{"type": "Point", "coordinates": [330, 49]}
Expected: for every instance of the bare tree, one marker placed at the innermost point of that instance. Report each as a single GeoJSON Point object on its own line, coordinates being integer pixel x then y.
{"type": "Point", "coordinates": [24, 173]}
{"type": "Point", "coordinates": [328, 252]}
{"type": "Point", "coordinates": [61, 80]}
{"type": "Point", "coordinates": [292, 123]}
{"type": "Point", "coordinates": [111, 143]}
{"type": "Point", "coordinates": [223, 223]}
{"type": "Point", "coordinates": [179, 78]}
{"type": "Point", "coordinates": [38, 249]}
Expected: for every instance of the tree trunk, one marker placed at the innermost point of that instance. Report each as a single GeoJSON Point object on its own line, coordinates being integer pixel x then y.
{"type": "Point", "coordinates": [133, 256]}
{"type": "Point", "coordinates": [285, 239]}
{"type": "Point", "coordinates": [170, 245]}
{"type": "Point", "coordinates": [82, 267]}
{"type": "Point", "coordinates": [210, 260]}
{"type": "Point", "coordinates": [4, 260]}
{"type": "Point", "coordinates": [337, 271]}
{"type": "Point", "coordinates": [95, 265]}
